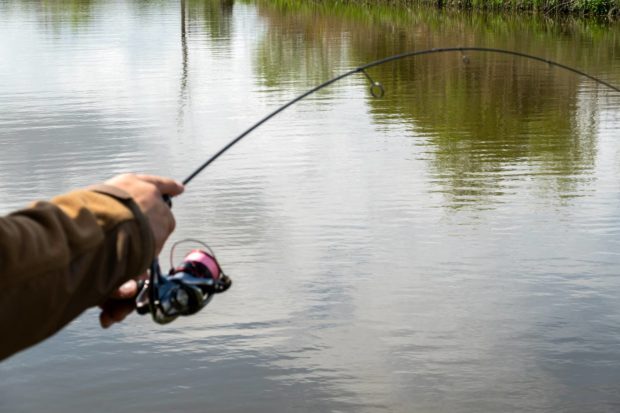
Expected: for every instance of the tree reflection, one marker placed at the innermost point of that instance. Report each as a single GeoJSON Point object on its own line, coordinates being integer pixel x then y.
{"type": "Point", "coordinates": [184, 66]}
{"type": "Point", "coordinates": [59, 14]}
{"type": "Point", "coordinates": [485, 121]}
{"type": "Point", "coordinates": [213, 17]}
{"type": "Point", "coordinates": [489, 119]}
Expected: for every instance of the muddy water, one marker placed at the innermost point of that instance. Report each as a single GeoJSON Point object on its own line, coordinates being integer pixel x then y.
{"type": "Point", "coordinates": [453, 246]}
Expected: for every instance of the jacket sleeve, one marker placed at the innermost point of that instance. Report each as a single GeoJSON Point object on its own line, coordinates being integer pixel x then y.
{"type": "Point", "coordinates": [61, 257]}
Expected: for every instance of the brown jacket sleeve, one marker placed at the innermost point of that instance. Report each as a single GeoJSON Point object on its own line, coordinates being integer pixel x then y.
{"type": "Point", "coordinates": [61, 257]}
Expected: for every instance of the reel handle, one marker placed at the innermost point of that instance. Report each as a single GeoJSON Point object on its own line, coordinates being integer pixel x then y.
{"type": "Point", "coordinates": [140, 307]}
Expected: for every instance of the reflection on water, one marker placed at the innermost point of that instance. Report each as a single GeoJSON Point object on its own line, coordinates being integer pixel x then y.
{"type": "Point", "coordinates": [450, 247]}
{"type": "Point", "coordinates": [483, 116]}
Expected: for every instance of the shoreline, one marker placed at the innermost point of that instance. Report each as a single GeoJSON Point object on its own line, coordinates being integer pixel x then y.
{"type": "Point", "coordinates": [549, 8]}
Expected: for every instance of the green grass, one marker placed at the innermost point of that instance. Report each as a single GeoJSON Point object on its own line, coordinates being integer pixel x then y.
{"type": "Point", "coordinates": [549, 7]}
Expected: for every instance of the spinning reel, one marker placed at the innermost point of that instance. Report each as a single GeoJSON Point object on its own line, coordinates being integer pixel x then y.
{"type": "Point", "coordinates": [186, 289]}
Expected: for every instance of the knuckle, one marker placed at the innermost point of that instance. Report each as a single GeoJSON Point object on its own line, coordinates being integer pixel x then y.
{"type": "Point", "coordinates": [127, 176]}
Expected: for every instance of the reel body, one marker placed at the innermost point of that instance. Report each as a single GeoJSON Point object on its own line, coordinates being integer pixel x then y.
{"type": "Point", "coordinates": [187, 288]}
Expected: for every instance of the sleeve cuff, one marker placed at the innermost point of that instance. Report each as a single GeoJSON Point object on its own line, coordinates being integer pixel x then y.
{"type": "Point", "coordinates": [148, 239]}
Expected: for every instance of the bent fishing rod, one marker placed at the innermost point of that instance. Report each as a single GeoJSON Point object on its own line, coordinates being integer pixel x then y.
{"type": "Point", "coordinates": [189, 287]}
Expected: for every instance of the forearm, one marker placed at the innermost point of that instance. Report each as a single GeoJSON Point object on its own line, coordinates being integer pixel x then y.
{"type": "Point", "coordinates": [61, 257]}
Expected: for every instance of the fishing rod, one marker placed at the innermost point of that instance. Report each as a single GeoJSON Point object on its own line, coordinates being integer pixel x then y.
{"type": "Point", "coordinates": [377, 90]}
{"type": "Point", "coordinates": [189, 287]}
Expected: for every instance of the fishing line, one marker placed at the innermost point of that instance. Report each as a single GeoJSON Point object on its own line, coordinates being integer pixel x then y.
{"type": "Point", "coordinates": [377, 90]}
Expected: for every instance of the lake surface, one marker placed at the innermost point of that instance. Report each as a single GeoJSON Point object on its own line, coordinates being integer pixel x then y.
{"type": "Point", "coordinates": [451, 247]}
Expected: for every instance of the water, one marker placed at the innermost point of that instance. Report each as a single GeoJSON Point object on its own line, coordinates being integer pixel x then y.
{"type": "Point", "coordinates": [454, 246]}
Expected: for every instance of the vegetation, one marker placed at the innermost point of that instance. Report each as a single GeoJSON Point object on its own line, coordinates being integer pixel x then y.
{"type": "Point", "coordinates": [583, 7]}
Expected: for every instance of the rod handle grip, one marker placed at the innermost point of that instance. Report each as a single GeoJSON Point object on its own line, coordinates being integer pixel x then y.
{"type": "Point", "coordinates": [168, 200]}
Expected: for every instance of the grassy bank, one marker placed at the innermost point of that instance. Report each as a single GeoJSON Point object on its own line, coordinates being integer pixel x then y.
{"type": "Point", "coordinates": [550, 7]}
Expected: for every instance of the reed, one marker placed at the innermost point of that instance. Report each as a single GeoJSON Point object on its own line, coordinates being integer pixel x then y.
{"type": "Point", "coordinates": [548, 7]}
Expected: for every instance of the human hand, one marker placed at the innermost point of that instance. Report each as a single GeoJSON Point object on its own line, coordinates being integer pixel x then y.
{"type": "Point", "coordinates": [120, 304]}
{"type": "Point", "coordinates": [148, 191]}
